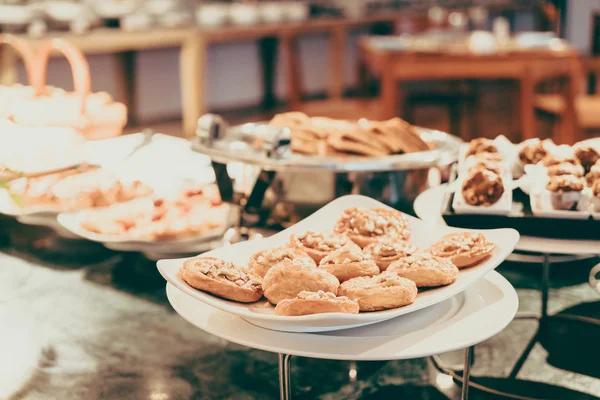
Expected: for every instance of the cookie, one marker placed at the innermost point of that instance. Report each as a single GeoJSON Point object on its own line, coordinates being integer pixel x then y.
{"type": "Point", "coordinates": [261, 261]}
{"type": "Point", "coordinates": [464, 249]}
{"type": "Point", "coordinates": [380, 292]}
{"type": "Point", "coordinates": [371, 225]}
{"type": "Point", "coordinates": [307, 303]}
{"type": "Point", "coordinates": [426, 270]}
{"type": "Point", "coordinates": [222, 279]}
{"type": "Point", "coordinates": [347, 263]}
{"type": "Point", "coordinates": [288, 278]}
{"type": "Point", "coordinates": [318, 244]}
{"type": "Point", "coordinates": [386, 252]}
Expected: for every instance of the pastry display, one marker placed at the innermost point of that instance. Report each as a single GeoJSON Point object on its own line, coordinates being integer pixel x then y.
{"type": "Point", "coordinates": [195, 211]}
{"type": "Point", "coordinates": [481, 145]}
{"type": "Point", "coordinates": [482, 188]}
{"type": "Point", "coordinates": [260, 262]}
{"type": "Point", "coordinates": [386, 252]}
{"type": "Point", "coordinates": [565, 191]}
{"type": "Point", "coordinates": [76, 189]}
{"type": "Point", "coordinates": [348, 262]}
{"type": "Point", "coordinates": [587, 156]}
{"type": "Point", "coordinates": [318, 244]}
{"type": "Point", "coordinates": [288, 278]}
{"type": "Point", "coordinates": [383, 275]}
{"type": "Point", "coordinates": [222, 279]}
{"type": "Point", "coordinates": [366, 226]}
{"type": "Point", "coordinates": [380, 292]}
{"type": "Point", "coordinates": [464, 249]}
{"type": "Point", "coordinates": [307, 303]}
{"type": "Point", "coordinates": [326, 136]}
{"type": "Point", "coordinates": [426, 270]}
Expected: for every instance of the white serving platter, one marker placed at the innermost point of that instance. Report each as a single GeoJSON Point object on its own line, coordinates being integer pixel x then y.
{"type": "Point", "coordinates": [475, 315]}
{"type": "Point", "coordinates": [71, 222]}
{"type": "Point", "coordinates": [260, 314]}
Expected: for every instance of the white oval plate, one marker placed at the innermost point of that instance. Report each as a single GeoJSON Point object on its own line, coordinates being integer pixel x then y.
{"type": "Point", "coordinates": [469, 318]}
{"type": "Point", "coordinates": [324, 219]}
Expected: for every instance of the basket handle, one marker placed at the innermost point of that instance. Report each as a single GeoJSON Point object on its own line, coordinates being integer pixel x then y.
{"type": "Point", "coordinates": [24, 50]}
{"type": "Point", "coordinates": [79, 67]}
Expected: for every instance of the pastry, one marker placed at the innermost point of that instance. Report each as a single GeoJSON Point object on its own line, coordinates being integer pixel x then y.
{"type": "Point", "coordinates": [426, 270]}
{"type": "Point", "coordinates": [347, 263]}
{"type": "Point", "coordinates": [596, 196]}
{"type": "Point", "coordinates": [553, 159]}
{"type": "Point", "coordinates": [593, 175]}
{"type": "Point", "coordinates": [307, 303]}
{"type": "Point", "coordinates": [565, 168]}
{"type": "Point", "coordinates": [222, 279]}
{"type": "Point", "coordinates": [565, 191]}
{"type": "Point", "coordinates": [288, 278]}
{"type": "Point", "coordinates": [482, 188]}
{"type": "Point", "coordinates": [587, 156]}
{"type": "Point", "coordinates": [380, 292]}
{"type": "Point", "coordinates": [481, 145]}
{"type": "Point", "coordinates": [386, 252]}
{"type": "Point", "coordinates": [532, 151]}
{"type": "Point", "coordinates": [487, 165]}
{"type": "Point", "coordinates": [464, 249]}
{"type": "Point", "coordinates": [261, 261]}
{"type": "Point", "coordinates": [370, 225]}
{"type": "Point", "coordinates": [318, 244]}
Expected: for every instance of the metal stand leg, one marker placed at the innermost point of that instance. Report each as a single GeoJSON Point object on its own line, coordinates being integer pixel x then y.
{"type": "Point", "coordinates": [469, 353]}
{"type": "Point", "coordinates": [284, 377]}
{"type": "Point", "coordinates": [545, 285]}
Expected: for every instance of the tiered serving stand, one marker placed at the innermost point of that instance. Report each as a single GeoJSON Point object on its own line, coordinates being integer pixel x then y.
{"type": "Point", "coordinates": [461, 322]}
{"type": "Point", "coordinates": [428, 207]}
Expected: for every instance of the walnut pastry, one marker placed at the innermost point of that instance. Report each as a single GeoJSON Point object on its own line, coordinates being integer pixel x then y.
{"type": "Point", "coordinates": [307, 303]}
{"type": "Point", "coordinates": [318, 244]}
{"type": "Point", "coordinates": [386, 252]}
{"type": "Point", "coordinates": [288, 278]}
{"type": "Point", "coordinates": [380, 292]}
{"type": "Point", "coordinates": [482, 188]}
{"type": "Point", "coordinates": [425, 270]}
{"type": "Point", "coordinates": [370, 225]}
{"type": "Point", "coordinates": [261, 261]}
{"type": "Point", "coordinates": [481, 145]}
{"type": "Point", "coordinates": [532, 151]}
{"type": "Point", "coordinates": [565, 168]}
{"type": "Point", "coordinates": [347, 263]}
{"type": "Point", "coordinates": [565, 191]}
{"type": "Point", "coordinates": [221, 278]}
{"type": "Point", "coordinates": [464, 249]}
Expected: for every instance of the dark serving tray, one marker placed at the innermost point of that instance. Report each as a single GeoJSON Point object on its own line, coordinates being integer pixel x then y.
{"type": "Point", "coordinates": [524, 221]}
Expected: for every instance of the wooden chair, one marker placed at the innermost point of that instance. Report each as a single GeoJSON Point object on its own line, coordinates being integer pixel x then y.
{"type": "Point", "coordinates": [586, 105]}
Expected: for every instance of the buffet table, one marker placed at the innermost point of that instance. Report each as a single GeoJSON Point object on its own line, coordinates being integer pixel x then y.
{"type": "Point", "coordinates": [529, 68]}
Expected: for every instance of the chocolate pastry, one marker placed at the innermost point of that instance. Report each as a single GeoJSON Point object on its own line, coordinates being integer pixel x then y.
{"type": "Point", "coordinates": [481, 145]}
{"type": "Point", "coordinates": [533, 151]}
{"type": "Point", "coordinates": [588, 156]}
{"type": "Point", "coordinates": [482, 188]}
{"type": "Point", "coordinates": [565, 169]}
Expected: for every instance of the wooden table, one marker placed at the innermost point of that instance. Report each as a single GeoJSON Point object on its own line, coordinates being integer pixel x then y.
{"type": "Point", "coordinates": [528, 68]}
{"type": "Point", "coordinates": [194, 43]}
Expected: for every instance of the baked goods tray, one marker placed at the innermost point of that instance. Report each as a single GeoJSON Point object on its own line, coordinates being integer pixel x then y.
{"type": "Point", "coordinates": [522, 219]}
{"type": "Point", "coordinates": [263, 145]}
{"type": "Point", "coordinates": [263, 315]}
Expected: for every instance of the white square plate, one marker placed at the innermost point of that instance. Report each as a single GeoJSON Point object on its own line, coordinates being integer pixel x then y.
{"type": "Point", "coordinates": [423, 235]}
